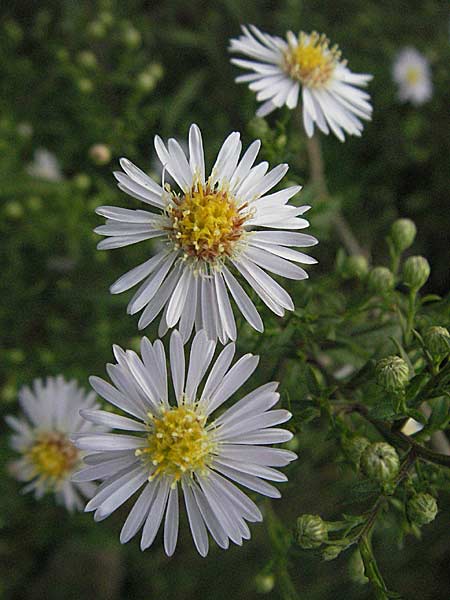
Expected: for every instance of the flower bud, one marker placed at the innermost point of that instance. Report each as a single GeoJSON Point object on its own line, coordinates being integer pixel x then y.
{"type": "Point", "coordinates": [85, 85]}
{"type": "Point", "coordinates": [403, 232]}
{"type": "Point", "coordinates": [353, 448]}
{"type": "Point", "coordinates": [381, 280]}
{"type": "Point", "coordinates": [331, 552]}
{"type": "Point", "coordinates": [311, 531]}
{"type": "Point", "coordinates": [422, 509]}
{"type": "Point", "coordinates": [392, 373]}
{"type": "Point", "coordinates": [264, 584]}
{"type": "Point", "coordinates": [355, 267]}
{"type": "Point", "coordinates": [87, 59]}
{"type": "Point", "coordinates": [437, 341]}
{"type": "Point", "coordinates": [132, 37]}
{"type": "Point", "coordinates": [82, 181]}
{"type": "Point", "coordinates": [380, 461]}
{"type": "Point", "coordinates": [100, 154]}
{"type": "Point", "coordinates": [416, 271]}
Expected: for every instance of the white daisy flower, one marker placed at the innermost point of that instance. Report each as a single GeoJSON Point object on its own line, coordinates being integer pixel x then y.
{"type": "Point", "coordinates": [280, 68]}
{"type": "Point", "coordinates": [411, 72]}
{"type": "Point", "coordinates": [209, 228]}
{"type": "Point", "coordinates": [179, 447]}
{"type": "Point", "coordinates": [42, 437]}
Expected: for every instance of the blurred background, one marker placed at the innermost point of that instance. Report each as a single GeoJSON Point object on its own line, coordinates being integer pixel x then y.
{"type": "Point", "coordinates": [84, 83]}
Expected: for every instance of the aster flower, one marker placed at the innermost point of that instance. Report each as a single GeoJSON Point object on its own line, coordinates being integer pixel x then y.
{"type": "Point", "coordinates": [280, 68]}
{"type": "Point", "coordinates": [187, 447]}
{"type": "Point", "coordinates": [411, 72]}
{"type": "Point", "coordinates": [41, 436]}
{"type": "Point", "coordinates": [207, 229]}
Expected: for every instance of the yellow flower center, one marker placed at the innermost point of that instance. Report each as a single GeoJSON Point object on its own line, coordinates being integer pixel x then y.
{"type": "Point", "coordinates": [53, 455]}
{"type": "Point", "coordinates": [412, 75]}
{"type": "Point", "coordinates": [178, 443]}
{"type": "Point", "coordinates": [206, 223]}
{"type": "Point", "coordinates": [311, 60]}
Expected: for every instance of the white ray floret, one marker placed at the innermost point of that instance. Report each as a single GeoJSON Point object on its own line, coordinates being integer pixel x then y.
{"type": "Point", "coordinates": [51, 414]}
{"type": "Point", "coordinates": [411, 72]}
{"type": "Point", "coordinates": [210, 229]}
{"type": "Point", "coordinates": [186, 449]}
{"type": "Point", "coordinates": [305, 65]}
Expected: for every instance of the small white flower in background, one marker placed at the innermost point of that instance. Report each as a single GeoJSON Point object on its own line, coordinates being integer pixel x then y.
{"type": "Point", "coordinates": [411, 72]}
{"type": "Point", "coordinates": [42, 437]}
{"type": "Point", "coordinates": [45, 165]}
{"type": "Point", "coordinates": [281, 68]}
{"type": "Point", "coordinates": [208, 229]}
{"type": "Point", "coordinates": [179, 447]}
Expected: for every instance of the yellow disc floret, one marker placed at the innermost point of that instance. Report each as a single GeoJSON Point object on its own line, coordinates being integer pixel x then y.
{"type": "Point", "coordinates": [178, 443]}
{"type": "Point", "coordinates": [311, 60]}
{"type": "Point", "coordinates": [206, 222]}
{"type": "Point", "coordinates": [413, 75]}
{"type": "Point", "coordinates": [53, 455]}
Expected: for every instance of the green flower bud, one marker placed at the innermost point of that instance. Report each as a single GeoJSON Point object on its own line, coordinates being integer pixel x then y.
{"type": "Point", "coordinates": [264, 584]}
{"type": "Point", "coordinates": [97, 30]}
{"type": "Point", "coordinates": [353, 448]}
{"type": "Point", "coordinates": [87, 59]}
{"type": "Point", "coordinates": [100, 154]}
{"type": "Point", "coordinates": [82, 181]}
{"type": "Point", "coordinates": [311, 531]}
{"type": "Point", "coordinates": [331, 552]}
{"type": "Point", "coordinates": [131, 37]}
{"type": "Point", "coordinates": [437, 341]}
{"type": "Point", "coordinates": [157, 70]}
{"type": "Point", "coordinates": [403, 232]}
{"type": "Point", "coordinates": [416, 271]}
{"type": "Point", "coordinates": [14, 210]}
{"type": "Point", "coordinates": [381, 280]}
{"type": "Point", "coordinates": [85, 85]}
{"type": "Point", "coordinates": [421, 509]}
{"type": "Point", "coordinates": [380, 461]}
{"type": "Point", "coordinates": [355, 267]}
{"type": "Point", "coordinates": [146, 81]}
{"type": "Point", "coordinates": [392, 373]}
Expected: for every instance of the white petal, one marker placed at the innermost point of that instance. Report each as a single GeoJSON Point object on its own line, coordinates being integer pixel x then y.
{"type": "Point", "coordinates": [196, 523]}
{"type": "Point", "coordinates": [102, 417]}
{"type": "Point", "coordinates": [243, 302]}
{"type": "Point", "coordinates": [155, 515]}
{"type": "Point", "coordinates": [171, 522]}
{"type": "Point", "coordinates": [138, 513]}
{"type": "Point", "coordinates": [177, 364]}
